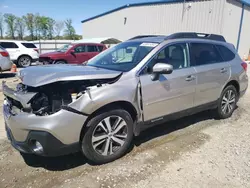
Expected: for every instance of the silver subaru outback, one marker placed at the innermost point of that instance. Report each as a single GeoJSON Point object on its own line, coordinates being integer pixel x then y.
{"type": "Point", "coordinates": [98, 108]}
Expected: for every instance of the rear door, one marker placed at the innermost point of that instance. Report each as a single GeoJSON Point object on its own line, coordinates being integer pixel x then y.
{"type": "Point", "coordinates": [12, 49]}
{"type": "Point", "coordinates": [92, 50]}
{"type": "Point", "coordinates": [212, 72]}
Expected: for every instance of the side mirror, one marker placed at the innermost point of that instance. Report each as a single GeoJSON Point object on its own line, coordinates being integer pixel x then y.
{"type": "Point", "coordinates": [72, 52]}
{"type": "Point", "coordinates": [128, 51]}
{"type": "Point", "coordinates": [161, 68]}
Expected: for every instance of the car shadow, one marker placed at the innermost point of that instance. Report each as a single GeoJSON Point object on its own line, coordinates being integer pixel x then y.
{"type": "Point", "coordinates": [71, 161]}
{"type": "Point", "coordinates": [7, 75]}
{"type": "Point", "coordinates": [60, 163]}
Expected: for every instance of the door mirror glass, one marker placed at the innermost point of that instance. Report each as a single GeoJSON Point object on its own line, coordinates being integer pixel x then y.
{"type": "Point", "coordinates": [72, 51]}
{"type": "Point", "coordinates": [162, 68]}
{"type": "Point", "coordinates": [129, 50]}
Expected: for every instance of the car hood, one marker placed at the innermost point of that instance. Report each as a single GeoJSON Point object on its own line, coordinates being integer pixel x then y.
{"type": "Point", "coordinates": [46, 74]}
{"type": "Point", "coordinates": [51, 54]}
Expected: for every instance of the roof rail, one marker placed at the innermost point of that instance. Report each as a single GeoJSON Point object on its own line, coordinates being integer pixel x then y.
{"type": "Point", "coordinates": [144, 36]}
{"type": "Point", "coordinates": [196, 36]}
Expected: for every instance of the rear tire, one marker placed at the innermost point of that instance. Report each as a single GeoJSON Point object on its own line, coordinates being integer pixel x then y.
{"type": "Point", "coordinates": [227, 102]}
{"type": "Point", "coordinates": [24, 61]}
{"type": "Point", "coordinates": [108, 136]}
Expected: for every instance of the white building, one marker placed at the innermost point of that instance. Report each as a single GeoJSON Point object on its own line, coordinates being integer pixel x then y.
{"type": "Point", "coordinates": [230, 18]}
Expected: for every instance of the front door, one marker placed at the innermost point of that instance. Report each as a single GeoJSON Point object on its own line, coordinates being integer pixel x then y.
{"type": "Point", "coordinates": [212, 72]}
{"type": "Point", "coordinates": [171, 92]}
{"type": "Point", "coordinates": [80, 55]}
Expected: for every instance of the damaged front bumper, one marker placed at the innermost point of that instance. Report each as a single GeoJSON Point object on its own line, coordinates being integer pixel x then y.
{"type": "Point", "coordinates": [58, 133]}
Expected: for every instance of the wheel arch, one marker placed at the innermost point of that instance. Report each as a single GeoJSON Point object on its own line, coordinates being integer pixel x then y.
{"type": "Point", "coordinates": [129, 107]}
{"type": "Point", "coordinates": [235, 84]}
{"type": "Point", "coordinates": [61, 60]}
{"type": "Point", "coordinates": [23, 56]}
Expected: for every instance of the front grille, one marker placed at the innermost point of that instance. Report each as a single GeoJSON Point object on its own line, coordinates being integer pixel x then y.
{"type": "Point", "coordinates": [15, 103]}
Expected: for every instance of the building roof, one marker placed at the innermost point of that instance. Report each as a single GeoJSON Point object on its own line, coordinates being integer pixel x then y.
{"type": "Point", "coordinates": [246, 2]}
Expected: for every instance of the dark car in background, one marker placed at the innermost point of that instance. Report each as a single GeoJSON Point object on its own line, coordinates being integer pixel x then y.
{"type": "Point", "coordinates": [74, 53]}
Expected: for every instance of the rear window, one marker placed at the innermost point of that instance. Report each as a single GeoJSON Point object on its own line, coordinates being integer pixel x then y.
{"type": "Point", "coordinates": [226, 54]}
{"type": "Point", "coordinates": [29, 45]}
{"type": "Point", "coordinates": [8, 45]}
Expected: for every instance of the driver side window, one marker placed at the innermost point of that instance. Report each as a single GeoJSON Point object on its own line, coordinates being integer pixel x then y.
{"type": "Point", "coordinates": [80, 49]}
{"type": "Point", "coordinates": [175, 55]}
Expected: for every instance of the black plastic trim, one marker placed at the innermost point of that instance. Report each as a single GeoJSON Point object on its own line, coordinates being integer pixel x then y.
{"type": "Point", "coordinates": [51, 145]}
{"type": "Point", "coordinates": [141, 126]}
{"type": "Point", "coordinates": [73, 110]}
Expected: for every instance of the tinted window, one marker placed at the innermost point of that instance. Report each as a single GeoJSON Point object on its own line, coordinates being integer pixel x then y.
{"type": "Point", "coordinates": [175, 55]}
{"type": "Point", "coordinates": [226, 54]}
{"type": "Point", "coordinates": [203, 54]}
{"type": "Point", "coordinates": [80, 49]}
{"type": "Point", "coordinates": [8, 45]}
{"type": "Point", "coordinates": [29, 45]}
{"type": "Point", "coordinates": [100, 48]}
{"type": "Point", "coordinates": [92, 49]}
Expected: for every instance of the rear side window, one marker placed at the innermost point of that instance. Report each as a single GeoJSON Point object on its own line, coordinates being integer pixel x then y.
{"type": "Point", "coordinates": [8, 45]}
{"type": "Point", "coordinates": [29, 45]}
{"type": "Point", "coordinates": [204, 54]}
{"type": "Point", "coordinates": [92, 48]}
{"type": "Point", "coordinates": [100, 48]}
{"type": "Point", "coordinates": [226, 54]}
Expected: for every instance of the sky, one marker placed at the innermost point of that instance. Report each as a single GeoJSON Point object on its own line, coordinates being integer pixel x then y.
{"type": "Point", "coordinates": [77, 10]}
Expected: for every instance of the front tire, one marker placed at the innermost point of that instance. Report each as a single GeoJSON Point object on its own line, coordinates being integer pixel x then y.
{"type": "Point", "coordinates": [108, 136]}
{"type": "Point", "coordinates": [227, 102]}
{"type": "Point", "coordinates": [24, 61]}
{"type": "Point", "coordinates": [60, 62]}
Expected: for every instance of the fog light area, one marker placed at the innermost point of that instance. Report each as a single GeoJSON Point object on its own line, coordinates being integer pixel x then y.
{"type": "Point", "coordinates": [36, 147]}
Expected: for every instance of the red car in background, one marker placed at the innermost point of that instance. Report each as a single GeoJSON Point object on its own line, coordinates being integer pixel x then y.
{"type": "Point", "coordinates": [74, 53]}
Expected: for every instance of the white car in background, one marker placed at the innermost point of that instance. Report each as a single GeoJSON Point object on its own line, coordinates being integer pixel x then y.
{"type": "Point", "coordinates": [5, 62]}
{"type": "Point", "coordinates": [22, 53]}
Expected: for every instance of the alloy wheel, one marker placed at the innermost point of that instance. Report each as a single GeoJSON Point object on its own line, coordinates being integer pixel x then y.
{"type": "Point", "coordinates": [24, 61]}
{"type": "Point", "coordinates": [228, 102]}
{"type": "Point", "coordinates": [109, 135]}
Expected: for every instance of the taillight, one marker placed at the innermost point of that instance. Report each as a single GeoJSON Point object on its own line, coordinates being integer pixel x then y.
{"type": "Point", "coordinates": [244, 65]}
{"type": "Point", "coordinates": [36, 50]}
{"type": "Point", "coordinates": [4, 54]}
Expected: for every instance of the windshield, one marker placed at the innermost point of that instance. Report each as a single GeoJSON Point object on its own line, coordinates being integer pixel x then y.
{"type": "Point", "coordinates": [122, 57]}
{"type": "Point", "coordinates": [65, 48]}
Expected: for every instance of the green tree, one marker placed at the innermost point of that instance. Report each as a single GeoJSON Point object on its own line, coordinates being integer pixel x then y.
{"type": "Point", "coordinates": [37, 27]}
{"type": "Point", "coordinates": [20, 27]}
{"type": "Point", "coordinates": [50, 25]}
{"type": "Point", "coordinates": [59, 26]}
{"type": "Point", "coordinates": [10, 20]}
{"type": "Point", "coordinates": [29, 19]}
{"type": "Point", "coordinates": [1, 25]}
{"type": "Point", "coordinates": [69, 30]}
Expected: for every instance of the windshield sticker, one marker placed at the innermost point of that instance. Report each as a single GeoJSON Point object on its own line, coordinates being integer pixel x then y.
{"type": "Point", "coordinates": [149, 44]}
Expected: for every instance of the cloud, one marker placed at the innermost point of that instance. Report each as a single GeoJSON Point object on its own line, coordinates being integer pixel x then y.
{"type": "Point", "coordinates": [5, 6]}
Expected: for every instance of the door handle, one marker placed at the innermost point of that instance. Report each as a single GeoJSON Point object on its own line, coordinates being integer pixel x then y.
{"type": "Point", "coordinates": [223, 70]}
{"type": "Point", "coordinates": [190, 78]}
